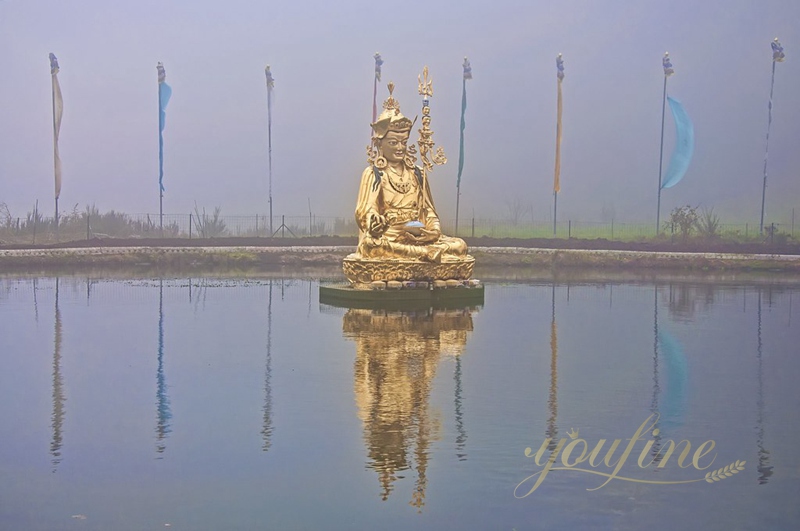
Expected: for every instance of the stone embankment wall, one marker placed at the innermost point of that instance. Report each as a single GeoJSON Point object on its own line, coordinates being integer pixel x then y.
{"type": "Point", "coordinates": [18, 260]}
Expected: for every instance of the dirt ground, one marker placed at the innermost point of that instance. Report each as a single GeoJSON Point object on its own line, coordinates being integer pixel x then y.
{"type": "Point", "coordinates": [666, 245]}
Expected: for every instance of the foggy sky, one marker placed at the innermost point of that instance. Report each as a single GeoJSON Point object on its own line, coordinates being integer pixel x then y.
{"type": "Point", "coordinates": [321, 57]}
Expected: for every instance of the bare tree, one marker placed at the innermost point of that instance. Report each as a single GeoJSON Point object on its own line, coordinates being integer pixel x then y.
{"type": "Point", "coordinates": [516, 210]}
{"type": "Point", "coordinates": [608, 212]}
{"type": "Point", "coordinates": [5, 215]}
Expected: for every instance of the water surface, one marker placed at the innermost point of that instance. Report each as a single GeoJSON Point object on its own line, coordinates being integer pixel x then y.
{"type": "Point", "coordinates": [242, 404]}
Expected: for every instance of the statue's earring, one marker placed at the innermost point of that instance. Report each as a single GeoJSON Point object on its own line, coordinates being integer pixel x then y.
{"type": "Point", "coordinates": [381, 163]}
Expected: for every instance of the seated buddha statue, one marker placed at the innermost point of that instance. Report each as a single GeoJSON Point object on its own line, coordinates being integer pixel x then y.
{"type": "Point", "coordinates": [395, 213]}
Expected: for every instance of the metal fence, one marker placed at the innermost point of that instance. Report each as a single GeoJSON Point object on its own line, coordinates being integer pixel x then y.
{"type": "Point", "coordinates": [610, 230]}
{"type": "Point", "coordinates": [88, 225]}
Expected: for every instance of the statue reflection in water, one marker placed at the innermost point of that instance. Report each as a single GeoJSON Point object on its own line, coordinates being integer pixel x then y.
{"type": "Point", "coordinates": [397, 356]}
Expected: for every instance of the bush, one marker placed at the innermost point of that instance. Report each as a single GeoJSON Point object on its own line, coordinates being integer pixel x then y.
{"type": "Point", "coordinates": [209, 226]}
{"type": "Point", "coordinates": [708, 224]}
{"type": "Point", "coordinates": [684, 218]}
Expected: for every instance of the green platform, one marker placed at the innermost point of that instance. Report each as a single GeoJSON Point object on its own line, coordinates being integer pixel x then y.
{"type": "Point", "coordinates": [344, 295]}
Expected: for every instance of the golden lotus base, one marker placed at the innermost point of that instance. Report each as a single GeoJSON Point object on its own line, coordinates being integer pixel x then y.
{"type": "Point", "coordinates": [362, 271]}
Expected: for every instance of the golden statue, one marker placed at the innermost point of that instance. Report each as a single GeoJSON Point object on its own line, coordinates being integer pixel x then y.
{"type": "Point", "coordinates": [400, 236]}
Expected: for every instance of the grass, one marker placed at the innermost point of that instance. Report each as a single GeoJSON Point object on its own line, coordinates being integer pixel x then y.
{"type": "Point", "coordinates": [77, 224]}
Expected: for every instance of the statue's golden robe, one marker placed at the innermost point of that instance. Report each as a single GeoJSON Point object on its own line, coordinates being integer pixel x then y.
{"type": "Point", "coordinates": [409, 201]}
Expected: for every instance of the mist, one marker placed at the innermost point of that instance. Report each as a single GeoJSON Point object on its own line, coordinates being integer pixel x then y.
{"type": "Point", "coordinates": [320, 53]}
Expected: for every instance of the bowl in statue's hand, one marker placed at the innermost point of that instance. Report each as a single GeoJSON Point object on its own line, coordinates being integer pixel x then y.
{"type": "Point", "coordinates": [414, 227]}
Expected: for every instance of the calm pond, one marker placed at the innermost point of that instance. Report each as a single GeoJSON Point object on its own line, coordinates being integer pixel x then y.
{"type": "Point", "coordinates": [222, 403]}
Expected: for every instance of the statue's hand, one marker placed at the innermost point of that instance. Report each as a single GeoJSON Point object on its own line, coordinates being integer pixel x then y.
{"type": "Point", "coordinates": [428, 235]}
{"type": "Point", "coordinates": [376, 225]}
{"type": "Point", "coordinates": [424, 236]}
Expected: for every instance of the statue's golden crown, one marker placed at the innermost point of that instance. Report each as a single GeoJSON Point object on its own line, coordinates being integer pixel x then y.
{"type": "Point", "coordinates": [391, 119]}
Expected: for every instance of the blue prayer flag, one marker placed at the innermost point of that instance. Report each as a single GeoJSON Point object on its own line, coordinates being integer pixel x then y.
{"type": "Point", "coordinates": [164, 94]}
{"type": "Point", "coordinates": [467, 75]}
{"type": "Point", "coordinates": [684, 145]}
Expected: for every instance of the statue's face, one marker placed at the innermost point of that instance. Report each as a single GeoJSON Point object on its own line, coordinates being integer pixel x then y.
{"type": "Point", "coordinates": [394, 146]}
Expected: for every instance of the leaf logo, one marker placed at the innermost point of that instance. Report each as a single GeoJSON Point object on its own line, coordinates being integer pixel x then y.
{"type": "Point", "coordinates": [725, 472]}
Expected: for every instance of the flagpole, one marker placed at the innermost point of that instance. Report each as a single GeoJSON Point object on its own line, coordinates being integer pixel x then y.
{"type": "Point", "coordinates": [661, 153]}
{"type": "Point", "coordinates": [55, 158]}
{"type": "Point", "coordinates": [56, 95]}
{"type": "Point", "coordinates": [777, 57]}
{"type": "Point", "coordinates": [668, 71]}
{"type": "Point", "coordinates": [555, 211]}
{"type": "Point", "coordinates": [458, 200]}
{"type": "Point", "coordinates": [557, 176]}
{"type": "Point", "coordinates": [269, 130]}
{"type": "Point", "coordinates": [766, 153]}
{"type": "Point", "coordinates": [270, 85]}
{"type": "Point", "coordinates": [160, 166]}
{"type": "Point", "coordinates": [467, 75]}
{"type": "Point", "coordinates": [164, 94]}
